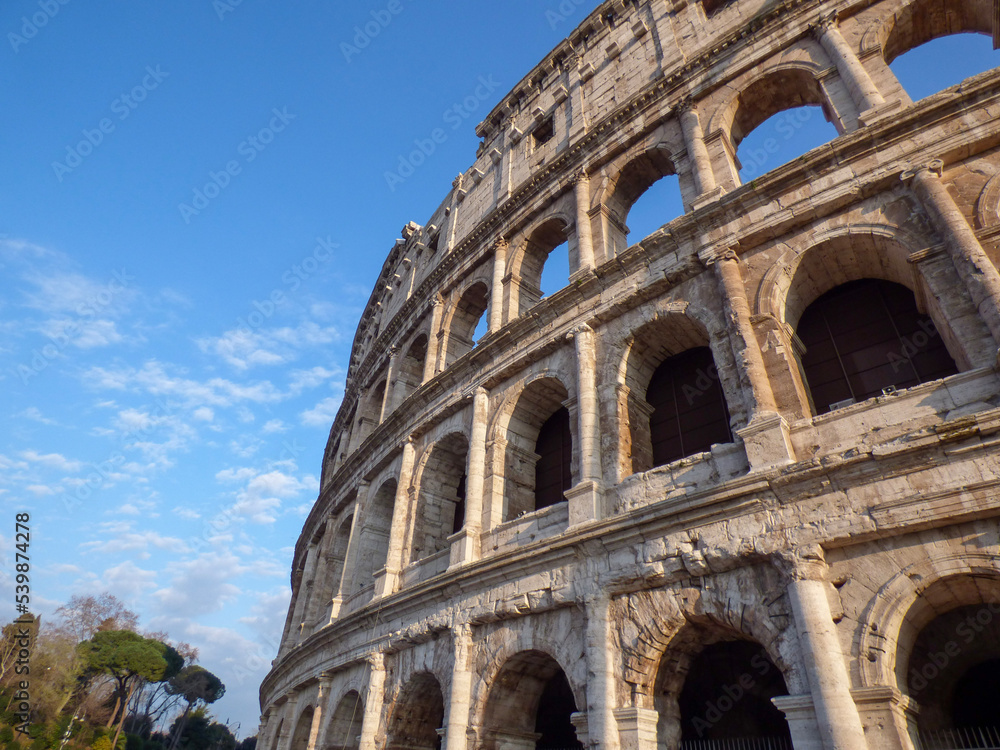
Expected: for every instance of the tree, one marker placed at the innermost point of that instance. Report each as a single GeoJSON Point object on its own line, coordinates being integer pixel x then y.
{"type": "Point", "coordinates": [193, 684]}
{"type": "Point", "coordinates": [130, 660]}
{"type": "Point", "coordinates": [83, 616]}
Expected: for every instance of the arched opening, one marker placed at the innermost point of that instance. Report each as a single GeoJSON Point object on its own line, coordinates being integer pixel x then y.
{"type": "Point", "coordinates": [345, 724]}
{"type": "Point", "coordinates": [370, 413]}
{"type": "Point", "coordinates": [659, 204]}
{"type": "Point", "coordinates": [417, 716]}
{"type": "Point", "coordinates": [534, 260]}
{"type": "Point", "coordinates": [410, 372]}
{"type": "Point", "coordinates": [530, 705]}
{"type": "Point", "coordinates": [541, 404]}
{"type": "Point", "coordinates": [714, 689]}
{"type": "Point", "coordinates": [441, 496]}
{"type": "Point", "coordinates": [300, 737]}
{"type": "Point", "coordinates": [373, 540]}
{"type": "Point", "coordinates": [784, 101]}
{"type": "Point", "coordinates": [465, 321]}
{"type": "Point", "coordinates": [333, 570]}
{"type": "Point", "coordinates": [865, 337]}
{"type": "Point", "coordinates": [631, 184]}
{"type": "Point", "coordinates": [948, 662]}
{"type": "Point", "coordinates": [921, 71]}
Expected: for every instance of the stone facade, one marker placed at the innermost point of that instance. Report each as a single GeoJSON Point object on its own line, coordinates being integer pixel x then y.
{"type": "Point", "coordinates": [837, 568]}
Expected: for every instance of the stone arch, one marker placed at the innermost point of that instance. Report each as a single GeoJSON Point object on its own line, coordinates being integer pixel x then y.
{"type": "Point", "coordinates": [530, 701]}
{"type": "Point", "coordinates": [910, 600]}
{"type": "Point", "coordinates": [465, 315]}
{"type": "Point", "coordinates": [417, 714]}
{"type": "Point", "coordinates": [625, 187]}
{"type": "Point", "coordinates": [517, 429]}
{"type": "Point", "coordinates": [373, 539]}
{"type": "Point", "coordinates": [344, 732]}
{"type": "Point", "coordinates": [335, 554]}
{"type": "Point", "coordinates": [524, 266]}
{"type": "Point", "coordinates": [909, 24]}
{"type": "Point", "coordinates": [303, 727]}
{"type": "Point", "coordinates": [369, 414]}
{"type": "Point", "coordinates": [412, 363]}
{"type": "Point", "coordinates": [440, 486]}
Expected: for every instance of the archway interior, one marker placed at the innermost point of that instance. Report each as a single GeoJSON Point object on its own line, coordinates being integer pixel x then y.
{"type": "Point", "coordinates": [545, 264]}
{"type": "Point", "coordinates": [867, 336]}
{"type": "Point", "coordinates": [944, 62]}
{"type": "Point", "coordinates": [659, 204]}
{"type": "Point", "coordinates": [373, 541]}
{"type": "Point", "coordinates": [555, 270]}
{"type": "Point", "coordinates": [300, 739]}
{"type": "Point", "coordinates": [953, 671]}
{"type": "Point", "coordinates": [417, 715]}
{"type": "Point", "coordinates": [468, 321]}
{"type": "Point", "coordinates": [727, 695]}
{"type": "Point", "coordinates": [411, 368]}
{"type": "Point", "coordinates": [641, 186]}
{"type": "Point", "coordinates": [441, 496]}
{"type": "Point", "coordinates": [555, 458]}
{"type": "Point", "coordinates": [345, 725]}
{"type": "Point", "coordinates": [689, 408]}
{"type": "Point", "coordinates": [530, 705]}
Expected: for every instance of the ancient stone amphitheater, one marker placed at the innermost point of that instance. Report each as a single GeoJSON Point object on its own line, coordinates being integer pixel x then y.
{"type": "Point", "coordinates": [737, 482]}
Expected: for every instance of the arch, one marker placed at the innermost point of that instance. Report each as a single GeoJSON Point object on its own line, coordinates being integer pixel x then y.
{"type": "Point", "coordinates": [919, 21]}
{"type": "Point", "coordinates": [373, 540]}
{"type": "Point", "coordinates": [440, 495]}
{"type": "Point", "coordinates": [417, 714]}
{"type": "Point", "coordinates": [335, 555]}
{"type": "Point", "coordinates": [530, 704]}
{"type": "Point", "coordinates": [526, 264]}
{"type": "Point", "coordinates": [535, 405]}
{"type": "Point", "coordinates": [345, 724]}
{"type": "Point", "coordinates": [624, 189]}
{"type": "Point", "coordinates": [410, 373]}
{"type": "Point", "coordinates": [865, 336]}
{"type": "Point", "coordinates": [303, 727]}
{"type": "Point", "coordinates": [471, 306]}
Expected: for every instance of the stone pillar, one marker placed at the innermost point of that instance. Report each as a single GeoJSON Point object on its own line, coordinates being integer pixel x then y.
{"type": "Point", "coordinates": [460, 698]}
{"type": "Point", "coordinates": [890, 716]}
{"type": "Point", "coordinates": [584, 235]}
{"type": "Point", "coordinates": [801, 718]}
{"type": "Point", "coordinates": [766, 436]}
{"type": "Point", "coordinates": [315, 607]}
{"type": "Point", "coordinates": [387, 579]}
{"type": "Point", "coordinates": [346, 588]}
{"type": "Point", "coordinates": [863, 89]}
{"type": "Point", "coordinates": [974, 267]}
{"type": "Point", "coordinates": [496, 293]}
{"type": "Point", "coordinates": [389, 399]}
{"type": "Point", "coordinates": [466, 547]}
{"type": "Point", "coordinates": [585, 498]}
{"type": "Point", "coordinates": [637, 728]}
{"type": "Point", "coordinates": [287, 731]}
{"type": "Point", "coordinates": [305, 591]}
{"type": "Point", "coordinates": [434, 339]}
{"type": "Point", "coordinates": [836, 712]}
{"type": "Point", "coordinates": [701, 162]}
{"type": "Point", "coordinates": [374, 698]}
{"type": "Point", "coordinates": [322, 696]}
{"type": "Point", "coordinates": [601, 725]}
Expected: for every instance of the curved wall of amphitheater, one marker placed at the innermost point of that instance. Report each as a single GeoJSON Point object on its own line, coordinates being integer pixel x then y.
{"type": "Point", "coordinates": [823, 575]}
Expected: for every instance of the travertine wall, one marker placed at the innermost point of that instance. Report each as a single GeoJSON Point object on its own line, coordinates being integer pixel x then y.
{"type": "Point", "coordinates": [858, 548]}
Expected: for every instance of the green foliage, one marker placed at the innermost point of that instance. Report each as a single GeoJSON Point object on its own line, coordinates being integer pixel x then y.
{"type": "Point", "coordinates": [6, 734]}
{"type": "Point", "coordinates": [102, 743]}
{"type": "Point", "coordinates": [195, 684]}
{"type": "Point", "coordinates": [124, 654]}
{"type": "Point", "coordinates": [133, 742]}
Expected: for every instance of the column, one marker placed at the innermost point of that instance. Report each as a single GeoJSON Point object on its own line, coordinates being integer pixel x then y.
{"type": "Point", "coordinates": [433, 339]}
{"type": "Point", "coordinates": [637, 728]}
{"type": "Point", "coordinates": [974, 267]}
{"type": "Point", "coordinates": [387, 579]}
{"type": "Point", "coordinates": [585, 498]}
{"type": "Point", "coordinates": [374, 698]}
{"type": "Point", "coordinates": [766, 436]}
{"type": "Point", "coordinates": [285, 734]}
{"type": "Point", "coordinates": [460, 698]}
{"type": "Point", "coordinates": [836, 713]}
{"type": "Point", "coordinates": [389, 400]}
{"type": "Point", "coordinates": [466, 547]}
{"type": "Point", "coordinates": [584, 236]}
{"type": "Point", "coordinates": [315, 607]}
{"type": "Point", "coordinates": [863, 90]}
{"type": "Point", "coordinates": [496, 294]}
{"type": "Point", "coordinates": [600, 721]}
{"type": "Point", "coordinates": [694, 139]}
{"type": "Point", "coordinates": [322, 696]}
{"type": "Point", "coordinates": [305, 590]}
{"type": "Point", "coordinates": [345, 589]}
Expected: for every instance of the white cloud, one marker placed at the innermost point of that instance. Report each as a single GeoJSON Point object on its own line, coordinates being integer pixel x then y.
{"type": "Point", "coordinates": [34, 413]}
{"type": "Point", "coordinates": [201, 586]}
{"type": "Point", "coordinates": [53, 461]}
{"type": "Point", "coordinates": [244, 348]}
{"type": "Point", "coordinates": [40, 490]}
{"type": "Point", "coordinates": [128, 581]}
{"type": "Point", "coordinates": [122, 538]}
{"type": "Point", "coordinates": [263, 495]}
{"type": "Point", "coordinates": [274, 425]}
{"type": "Point", "coordinates": [203, 414]}
{"type": "Point", "coordinates": [323, 414]}
{"type": "Point", "coordinates": [307, 379]}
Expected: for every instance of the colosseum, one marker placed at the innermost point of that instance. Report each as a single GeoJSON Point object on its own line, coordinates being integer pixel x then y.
{"type": "Point", "coordinates": [735, 485]}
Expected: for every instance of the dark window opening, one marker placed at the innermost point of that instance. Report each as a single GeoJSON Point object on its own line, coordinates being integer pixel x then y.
{"type": "Point", "coordinates": [865, 337]}
{"type": "Point", "coordinates": [727, 696]}
{"type": "Point", "coordinates": [544, 132]}
{"type": "Point", "coordinates": [553, 719]}
{"type": "Point", "coordinates": [976, 700]}
{"type": "Point", "coordinates": [460, 506]}
{"type": "Point", "coordinates": [713, 6]}
{"type": "Point", "coordinates": [689, 407]}
{"type": "Point", "coordinates": [555, 455]}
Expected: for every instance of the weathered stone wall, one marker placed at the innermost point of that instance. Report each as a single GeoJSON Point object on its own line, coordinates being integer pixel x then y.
{"type": "Point", "coordinates": [858, 549]}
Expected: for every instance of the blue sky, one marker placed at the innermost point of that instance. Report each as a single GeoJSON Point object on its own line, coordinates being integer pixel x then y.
{"type": "Point", "coordinates": [195, 207]}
